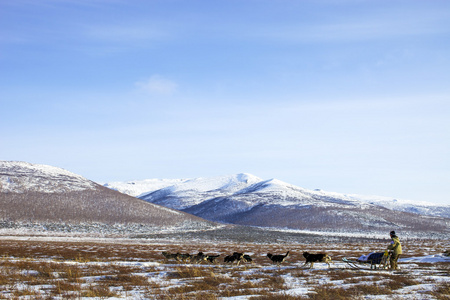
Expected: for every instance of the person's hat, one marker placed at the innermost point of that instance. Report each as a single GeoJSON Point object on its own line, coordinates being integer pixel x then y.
{"type": "Point", "coordinates": [392, 232]}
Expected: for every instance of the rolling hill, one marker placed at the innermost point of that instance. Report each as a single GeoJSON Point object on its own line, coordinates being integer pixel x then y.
{"type": "Point", "coordinates": [49, 197]}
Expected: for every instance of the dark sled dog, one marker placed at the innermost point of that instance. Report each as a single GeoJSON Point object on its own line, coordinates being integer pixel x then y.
{"type": "Point", "coordinates": [278, 259]}
{"type": "Point", "coordinates": [319, 257]}
{"type": "Point", "coordinates": [236, 257]}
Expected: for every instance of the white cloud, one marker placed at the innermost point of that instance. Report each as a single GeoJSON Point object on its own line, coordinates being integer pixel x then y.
{"type": "Point", "coordinates": [157, 84]}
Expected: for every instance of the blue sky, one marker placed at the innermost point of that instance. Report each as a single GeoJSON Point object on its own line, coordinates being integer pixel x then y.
{"type": "Point", "coordinates": [348, 96]}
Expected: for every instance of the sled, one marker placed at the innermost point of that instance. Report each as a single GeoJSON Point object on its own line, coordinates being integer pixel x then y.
{"type": "Point", "coordinates": [372, 261]}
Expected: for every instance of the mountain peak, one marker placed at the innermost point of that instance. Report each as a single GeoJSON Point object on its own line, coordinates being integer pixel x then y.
{"type": "Point", "coordinates": [246, 177]}
{"type": "Point", "coordinates": [18, 177]}
{"type": "Point", "coordinates": [139, 188]}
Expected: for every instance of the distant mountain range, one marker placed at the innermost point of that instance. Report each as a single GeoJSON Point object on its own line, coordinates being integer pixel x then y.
{"type": "Point", "coordinates": [49, 198]}
{"type": "Point", "coordinates": [44, 196]}
{"type": "Point", "coordinates": [248, 200]}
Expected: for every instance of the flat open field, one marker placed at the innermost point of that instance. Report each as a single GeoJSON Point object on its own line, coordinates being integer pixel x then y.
{"type": "Point", "coordinates": [138, 270]}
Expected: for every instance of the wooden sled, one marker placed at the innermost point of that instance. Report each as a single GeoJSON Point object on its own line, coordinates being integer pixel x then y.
{"type": "Point", "coordinates": [374, 261]}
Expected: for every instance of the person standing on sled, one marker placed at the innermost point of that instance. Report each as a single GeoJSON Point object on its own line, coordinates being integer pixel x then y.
{"type": "Point", "coordinates": [395, 247]}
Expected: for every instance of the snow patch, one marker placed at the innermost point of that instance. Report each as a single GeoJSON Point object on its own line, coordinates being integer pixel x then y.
{"type": "Point", "coordinates": [426, 259]}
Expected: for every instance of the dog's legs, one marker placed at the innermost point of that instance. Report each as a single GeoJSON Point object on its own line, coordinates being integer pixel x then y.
{"type": "Point", "coordinates": [312, 265]}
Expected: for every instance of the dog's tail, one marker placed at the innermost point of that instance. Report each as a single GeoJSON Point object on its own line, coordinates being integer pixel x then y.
{"type": "Point", "coordinates": [287, 253]}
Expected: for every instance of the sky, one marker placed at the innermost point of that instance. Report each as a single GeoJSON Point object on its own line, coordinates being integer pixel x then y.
{"type": "Point", "coordinates": [346, 96]}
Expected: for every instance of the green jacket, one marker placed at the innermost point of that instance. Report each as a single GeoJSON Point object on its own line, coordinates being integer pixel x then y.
{"type": "Point", "coordinates": [395, 245]}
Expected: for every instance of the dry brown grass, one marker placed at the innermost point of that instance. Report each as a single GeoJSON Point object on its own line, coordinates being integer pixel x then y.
{"type": "Point", "coordinates": [330, 291]}
{"type": "Point", "coordinates": [61, 286]}
{"type": "Point", "coordinates": [73, 270]}
{"type": "Point", "coordinates": [442, 291]}
{"type": "Point", "coordinates": [188, 272]}
{"type": "Point", "coordinates": [373, 289]}
{"type": "Point", "coordinates": [124, 280]}
{"type": "Point", "coordinates": [100, 291]}
{"type": "Point", "coordinates": [400, 281]}
{"type": "Point", "coordinates": [273, 283]}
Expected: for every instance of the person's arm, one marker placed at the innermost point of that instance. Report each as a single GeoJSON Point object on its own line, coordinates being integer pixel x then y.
{"type": "Point", "coordinates": [394, 244]}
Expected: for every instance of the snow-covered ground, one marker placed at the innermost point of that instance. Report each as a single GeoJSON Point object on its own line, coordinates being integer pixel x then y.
{"type": "Point", "coordinates": [435, 258]}
{"type": "Point", "coordinates": [136, 269]}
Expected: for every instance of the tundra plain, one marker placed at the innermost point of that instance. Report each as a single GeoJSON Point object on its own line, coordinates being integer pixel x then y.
{"type": "Point", "coordinates": [136, 269]}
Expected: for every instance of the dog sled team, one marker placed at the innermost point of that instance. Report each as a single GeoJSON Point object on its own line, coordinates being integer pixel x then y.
{"type": "Point", "coordinates": [385, 260]}
{"type": "Point", "coordinates": [237, 258]}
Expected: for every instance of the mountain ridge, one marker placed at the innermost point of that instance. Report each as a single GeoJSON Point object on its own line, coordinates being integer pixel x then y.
{"type": "Point", "coordinates": [392, 203]}
{"type": "Point", "coordinates": [275, 203]}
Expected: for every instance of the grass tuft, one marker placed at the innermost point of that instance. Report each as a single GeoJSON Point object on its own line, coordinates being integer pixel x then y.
{"type": "Point", "coordinates": [98, 291]}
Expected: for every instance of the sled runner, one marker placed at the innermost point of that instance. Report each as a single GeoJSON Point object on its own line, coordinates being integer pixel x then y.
{"type": "Point", "coordinates": [376, 260]}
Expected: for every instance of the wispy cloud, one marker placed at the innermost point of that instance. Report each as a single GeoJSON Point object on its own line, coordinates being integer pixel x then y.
{"type": "Point", "coordinates": [157, 84]}
{"type": "Point", "coordinates": [368, 27]}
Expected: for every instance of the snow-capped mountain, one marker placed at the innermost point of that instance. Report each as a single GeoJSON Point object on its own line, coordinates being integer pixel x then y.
{"type": "Point", "coordinates": [31, 193]}
{"type": "Point", "coordinates": [184, 193]}
{"type": "Point", "coordinates": [248, 200]}
{"type": "Point", "coordinates": [138, 187]}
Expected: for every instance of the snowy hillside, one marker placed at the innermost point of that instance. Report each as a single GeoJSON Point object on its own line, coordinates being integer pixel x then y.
{"type": "Point", "coordinates": [40, 196]}
{"type": "Point", "coordinates": [18, 177]}
{"type": "Point", "coordinates": [248, 200]}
